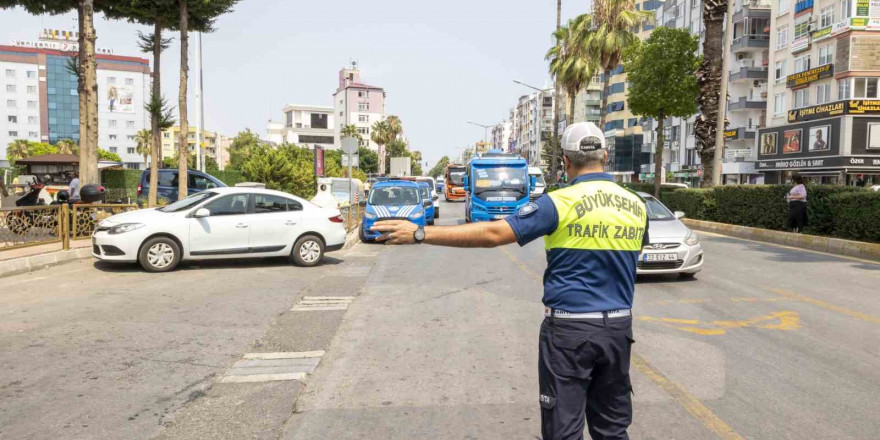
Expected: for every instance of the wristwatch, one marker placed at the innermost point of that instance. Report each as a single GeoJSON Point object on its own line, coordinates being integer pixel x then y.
{"type": "Point", "coordinates": [419, 235]}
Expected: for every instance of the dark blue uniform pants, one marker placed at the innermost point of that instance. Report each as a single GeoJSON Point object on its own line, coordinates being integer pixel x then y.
{"type": "Point", "coordinates": [583, 369]}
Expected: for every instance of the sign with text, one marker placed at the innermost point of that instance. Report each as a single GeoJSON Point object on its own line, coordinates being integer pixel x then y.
{"type": "Point", "coordinates": [808, 76]}
{"type": "Point", "coordinates": [849, 107]}
{"type": "Point", "coordinates": [319, 161]}
{"type": "Point", "coordinates": [865, 52]}
{"type": "Point", "coordinates": [820, 162]}
{"type": "Point", "coordinates": [730, 134]}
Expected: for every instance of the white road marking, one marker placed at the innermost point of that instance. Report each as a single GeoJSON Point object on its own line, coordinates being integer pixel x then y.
{"type": "Point", "coordinates": [264, 378]}
{"type": "Point", "coordinates": [322, 303]}
{"type": "Point", "coordinates": [267, 367]}
{"type": "Point", "coordinates": [285, 355]}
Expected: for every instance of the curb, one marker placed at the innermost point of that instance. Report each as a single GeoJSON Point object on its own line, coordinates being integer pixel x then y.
{"type": "Point", "coordinates": [32, 263]}
{"type": "Point", "coordinates": [837, 246]}
{"type": "Point", "coordinates": [352, 237]}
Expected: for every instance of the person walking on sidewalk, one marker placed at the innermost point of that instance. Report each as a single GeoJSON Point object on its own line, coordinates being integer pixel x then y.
{"type": "Point", "coordinates": [74, 187]}
{"type": "Point", "coordinates": [797, 205]}
{"type": "Point", "coordinates": [593, 232]}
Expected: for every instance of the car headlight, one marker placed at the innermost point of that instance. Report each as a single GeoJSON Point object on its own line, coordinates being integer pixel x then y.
{"type": "Point", "coordinates": [370, 216]}
{"type": "Point", "coordinates": [125, 227]}
{"type": "Point", "coordinates": [416, 215]}
{"type": "Point", "coordinates": [692, 239]}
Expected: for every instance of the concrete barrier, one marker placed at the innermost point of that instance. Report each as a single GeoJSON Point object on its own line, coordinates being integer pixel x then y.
{"type": "Point", "coordinates": [838, 246]}
{"type": "Point", "coordinates": [18, 266]}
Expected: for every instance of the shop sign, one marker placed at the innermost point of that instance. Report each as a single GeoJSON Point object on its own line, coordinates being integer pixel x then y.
{"type": "Point", "coordinates": [800, 44]}
{"type": "Point", "coordinates": [730, 134]}
{"type": "Point", "coordinates": [840, 27]}
{"type": "Point", "coordinates": [818, 163]}
{"type": "Point", "coordinates": [822, 33]}
{"type": "Point", "coordinates": [808, 76]}
{"type": "Point", "coordinates": [865, 52]}
{"type": "Point", "coordinates": [849, 107]}
{"type": "Point", "coordinates": [862, 7]}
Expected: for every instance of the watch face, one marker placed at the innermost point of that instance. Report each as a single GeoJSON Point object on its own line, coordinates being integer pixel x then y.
{"type": "Point", "coordinates": [419, 235]}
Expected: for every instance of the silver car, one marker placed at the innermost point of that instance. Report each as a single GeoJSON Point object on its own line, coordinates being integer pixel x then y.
{"type": "Point", "coordinates": [673, 247]}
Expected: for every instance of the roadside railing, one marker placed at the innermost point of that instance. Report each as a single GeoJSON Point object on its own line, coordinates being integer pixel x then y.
{"type": "Point", "coordinates": [87, 217]}
{"type": "Point", "coordinates": [38, 225]}
{"type": "Point", "coordinates": [351, 215]}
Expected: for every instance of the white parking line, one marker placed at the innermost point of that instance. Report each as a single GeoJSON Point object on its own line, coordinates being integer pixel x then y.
{"type": "Point", "coordinates": [268, 367]}
{"type": "Point", "coordinates": [322, 303]}
{"type": "Point", "coordinates": [285, 355]}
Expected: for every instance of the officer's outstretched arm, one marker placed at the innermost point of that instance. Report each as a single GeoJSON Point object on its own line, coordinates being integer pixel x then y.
{"type": "Point", "coordinates": [485, 234]}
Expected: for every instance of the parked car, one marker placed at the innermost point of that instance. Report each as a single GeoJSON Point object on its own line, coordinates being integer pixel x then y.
{"type": "Point", "coordinates": [425, 192]}
{"type": "Point", "coordinates": [221, 223]}
{"type": "Point", "coordinates": [167, 187]}
{"type": "Point", "coordinates": [674, 248]}
{"type": "Point", "coordinates": [392, 200]}
{"type": "Point", "coordinates": [540, 186]}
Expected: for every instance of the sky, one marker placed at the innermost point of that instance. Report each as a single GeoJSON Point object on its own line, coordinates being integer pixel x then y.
{"type": "Point", "coordinates": [442, 63]}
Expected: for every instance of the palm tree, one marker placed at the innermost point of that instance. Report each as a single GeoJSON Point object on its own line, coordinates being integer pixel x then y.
{"type": "Point", "coordinates": [381, 135]}
{"type": "Point", "coordinates": [144, 139]}
{"type": "Point", "coordinates": [67, 146]}
{"type": "Point", "coordinates": [17, 149]}
{"type": "Point", "coordinates": [613, 22]}
{"type": "Point", "coordinates": [570, 63]}
{"type": "Point", "coordinates": [351, 130]}
{"type": "Point", "coordinates": [709, 80]}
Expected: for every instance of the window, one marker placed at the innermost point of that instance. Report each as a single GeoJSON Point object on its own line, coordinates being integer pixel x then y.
{"type": "Point", "coordinates": [783, 6]}
{"type": "Point", "coordinates": [267, 204]}
{"type": "Point", "coordinates": [129, 81]}
{"type": "Point", "coordinates": [865, 88]}
{"type": "Point", "coordinates": [111, 80]}
{"type": "Point", "coordinates": [364, 118]}
{"type": "Point", "coordinates": [32, 104]}
{"type": "Point", "coordinates": [845, 9]}
{"type": "Point", "coordinates": [31, 74]}
{"type": "Point", "coordinates": [10, 73]}
{"type": "Point", "coordinates": [129, 124]}
{"type": "Point", "coordinates": [33, 134]}
{"type": "Point", "coordinates": [363, 93]}
{"type": "Point", "coordinates": [802, 27]}
{"type": "Point", "coordinates": [200, 182]}
{"type": "Point", "coordinates": [13, 134]}
{"type": "Point", "coordinates": [12, 119]}
{"type": "Point", "coordinates": [11, 103]}
{"type": "Point", "coordinates": [112, 122]}
{"type": "Point", "coordinates": [826, 55]}
{"type": "Point", "coordinates": [364, 106]}
{"type": "Point", "coordinates": [112, 137]}
{"type": "Point", "coordinates": [112, 149]}
{"type": "Point", "coordinates": [616, 88]}
{"type": "Point", "coordinates": [823, 93]}
{"type": "Point", "coordinates": [873, 135]}
{"type": "Point", "coordinates": [319, 120]}
{"type": "Point", "coordinates": [826, 17]}
{"type": "Point", "coordinates": [130, 150]}
{"type": "Point", "coordinates": [364, 131]}
{"type": "Point", "coordinates": [130, 137]}
{"type": "Point", "coordinates": [166, 135]}
{"type": "Point", "coordinates": [32, 89]}
{"type": "Point", "coordinates": [33, 120]}
{"type": "Point", "coordinates": [782, 37]}
{"type": "Point", "coordinates": [235, 204]}
{"type": "Point", "coordinates": [801, 98]}
{"type": "Point", "coordinates": [802, 63]}
{"type": "Point", "coordinates": [779, 104]}
{"type": "Point", "coordinates": [632, 122]}
{"type": "Point", "coordinates": [780, 71]}
{"type": "Point", "coordinates": [10, 88]}
{"type": "Point", "coordinates": [695, 4]}
{"type": "Point", "coordinates": [690, 128]}
{"type": "Point", "coordinates": [843, 89]}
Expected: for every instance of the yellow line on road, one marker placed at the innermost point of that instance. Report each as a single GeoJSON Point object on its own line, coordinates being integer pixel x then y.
{"type": "Point", "coordinates": [690, 403]}
{"type": "Point", "coordinates": [825, 305]}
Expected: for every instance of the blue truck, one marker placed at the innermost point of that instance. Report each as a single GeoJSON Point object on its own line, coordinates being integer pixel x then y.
{"type": "Point", "coordinates": [497, 185]}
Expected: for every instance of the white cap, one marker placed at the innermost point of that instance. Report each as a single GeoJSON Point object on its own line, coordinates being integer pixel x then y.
{"type": "Point", "coordinates": [583, 136]}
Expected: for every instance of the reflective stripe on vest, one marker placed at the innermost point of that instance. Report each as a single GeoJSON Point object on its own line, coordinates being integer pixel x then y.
{"type": "Point", "coordinates": [598, 215]}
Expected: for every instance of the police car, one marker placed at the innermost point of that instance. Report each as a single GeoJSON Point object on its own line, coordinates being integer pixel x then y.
{"type": "Point", "coordinates": [674, 248]}
{"type": "Point", "coordinates": [392, 200]}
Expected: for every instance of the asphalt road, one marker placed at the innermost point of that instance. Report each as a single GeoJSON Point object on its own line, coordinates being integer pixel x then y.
{"type": "Point", "coordinates": [767, 343]}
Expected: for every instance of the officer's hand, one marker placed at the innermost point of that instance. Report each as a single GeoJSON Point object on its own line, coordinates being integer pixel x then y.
{"type": "Point", "coordinates": [395, 231]}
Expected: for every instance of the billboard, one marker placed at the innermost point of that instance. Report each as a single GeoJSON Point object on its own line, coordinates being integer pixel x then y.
{"type": "Point", "coordinates": [319, 161]}
{"type": "Point", "coordinates": [119, 99]}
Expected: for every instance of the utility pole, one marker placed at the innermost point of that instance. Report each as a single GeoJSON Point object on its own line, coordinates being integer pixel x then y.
{"type": "Point", "coordinates": [553, 158]}
{"type": "Point", "coordinates": [199, 100]}
{"type": "Point", "coordinates": [722, 98]}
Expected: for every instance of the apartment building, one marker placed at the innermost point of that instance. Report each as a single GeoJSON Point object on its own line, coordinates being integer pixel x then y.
{"type": "Point", "coordinates": [357, 104]}
{"type": "Point", "coordinates": [501, 134]}
{"type": "Point", "coordinates": [305, 125]}
{"type": "Point", "coordinates": [209, 140]}
{"type": "Point", "coordinates": [824, 106]}
{"type": "Point", "coordinates": [532, 125]}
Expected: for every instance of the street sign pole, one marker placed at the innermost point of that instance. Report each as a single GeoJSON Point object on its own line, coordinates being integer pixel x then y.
{"type": "Point", "coordinates": [349, 146]}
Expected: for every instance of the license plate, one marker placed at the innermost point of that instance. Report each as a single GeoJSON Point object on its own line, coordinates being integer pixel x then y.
{"type": "Point", "coordinates": [661, 257]}
{"type": "Point", "coordinates": [500, 216]}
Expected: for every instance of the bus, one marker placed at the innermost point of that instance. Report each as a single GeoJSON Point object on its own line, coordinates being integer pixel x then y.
{"type": "Point", "coordinates": [497, 185]}
{"type": "Point", "coordinates": [454, 182]}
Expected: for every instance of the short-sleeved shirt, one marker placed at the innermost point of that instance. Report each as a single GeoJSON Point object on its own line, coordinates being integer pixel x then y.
{"type": "Point", "coordinates": [582, 280]}
{"type": "Point", "coordinates": [800, 190]}
{"type": "Point", "coordinates": [74, 189]}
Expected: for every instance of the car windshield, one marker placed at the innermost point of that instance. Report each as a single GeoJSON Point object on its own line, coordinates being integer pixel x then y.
{"type": "Point", "coordinates": [425, 192]}
{"type": "Point", "coordinates": [499, 179]}
{"type": "Point", "coordinates": [394, 195]}
{"type": "Point", "coordinates": [188, 202]}
{"type": "Point", "coordinates": [656, 210]}
{"type": "Point", "coordinates": [456, 177]}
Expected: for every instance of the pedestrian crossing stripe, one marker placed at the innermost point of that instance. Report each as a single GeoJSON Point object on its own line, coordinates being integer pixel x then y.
{"type": "Point", "coordinates": [322, 303]}
{"type": "Point", "coordinates": [270, 367]}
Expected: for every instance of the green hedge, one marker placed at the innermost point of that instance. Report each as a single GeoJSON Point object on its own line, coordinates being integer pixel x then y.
{"type": "Point", "coordinates": [696, 203]}
{"type": "Point", "coordinates": [229, 177]}
{"type": "Point", "coordinates": [120, 184]}
{"type": "Point", "coordinates": [856, 215]}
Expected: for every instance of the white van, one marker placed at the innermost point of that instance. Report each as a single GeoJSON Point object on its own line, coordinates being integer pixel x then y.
{"type": "Point", "coordinates": [540, 186]}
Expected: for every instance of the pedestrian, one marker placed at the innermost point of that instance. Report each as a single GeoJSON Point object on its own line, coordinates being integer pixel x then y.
{"type": "Point", "coordinates": [593, 232]}
{"type": "Point", "coordinates": [797, 205]}
{"type": "Point", "coordinates": [74, 187]}
{"type": "Point", "coordinates": [860, 181]}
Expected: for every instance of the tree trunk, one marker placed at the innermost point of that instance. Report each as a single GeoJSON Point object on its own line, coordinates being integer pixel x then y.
{"type": "Point", "coordinates": [709, 80]}
{"type": "Point", "coordinates": [603, 116]}
{"type": "Point", "coordinates": [571, 105]}
{"type": "Point", "coordinates": [156, 147]}
{"type": "Point", "coordinates": [88, 98]}
{"type": "Point", "coordinates": [183, 148]}
{"type": "Point", "coordinates": [554, 163]}
{"type": "Point", "coordinates": [382, 159]}
{"type": "Point", "coordinates": [658, 155]}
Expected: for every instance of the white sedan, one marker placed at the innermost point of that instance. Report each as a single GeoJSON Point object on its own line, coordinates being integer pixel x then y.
{"type": "Point", "coordinates": [221, 223]}
{"type": "Point", "coordinates": [674, 248]}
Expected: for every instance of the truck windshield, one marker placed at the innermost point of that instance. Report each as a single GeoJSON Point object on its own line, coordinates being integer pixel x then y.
{"type": "Point", "coordinates": [394, 195]}
{"type": "Point", "coordinates": [456, 177]}
{"type": "Point", "coordinates": [500, 182]}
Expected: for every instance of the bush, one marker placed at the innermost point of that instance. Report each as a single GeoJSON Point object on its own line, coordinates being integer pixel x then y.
{"type": "Point", "coordinates": [758, 206]}
{"type": "Point", "coordinates": [120, 184]}
{"type": "Point", "coordinates": [229, 177]}
{"type": "Point", "coordinates": [698, 204]}
{"type": "Point", "coordinates": [855, 215]}
{"type": "Point", "coordinates": [820, 210]}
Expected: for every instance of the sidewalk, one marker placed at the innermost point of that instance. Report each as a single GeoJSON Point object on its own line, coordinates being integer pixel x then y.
{"type": "Point", "coordinates": [28, 259]}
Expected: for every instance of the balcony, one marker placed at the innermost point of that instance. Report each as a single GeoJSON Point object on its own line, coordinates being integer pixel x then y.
{"type": "Point", "coordinates": [749, 73]}
{"type": "Point", "coordinates": [744, 103]}
{"type": "Point", "coordinates": [750, 42]}
{"type": "Point", "coordinates": [752, 9]}
{"type": "Point", "coordinates": [593, 101]}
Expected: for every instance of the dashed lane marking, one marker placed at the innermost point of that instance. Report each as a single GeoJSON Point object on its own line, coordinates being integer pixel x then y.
{"type": "Point", "coordinates": [268, 367]}
{"type": "Point", "coordinates": [322, 303]}
{"type": "Point", "coordinates": [825, 305]}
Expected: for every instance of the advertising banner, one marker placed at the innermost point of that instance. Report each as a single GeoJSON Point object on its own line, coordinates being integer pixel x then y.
{"type": "Point", "coordinates": [120, 99]}
{"type": "Point", "coordinates": [808, 76]}
{"type": "Point", "coordinates": [791, 141]}
{"type": "Point", "coordinates": [865, 52]}
{"type": "Point", "coordinates": [826, 162]}
{"type": "Point", "coordinates": [319, 161]}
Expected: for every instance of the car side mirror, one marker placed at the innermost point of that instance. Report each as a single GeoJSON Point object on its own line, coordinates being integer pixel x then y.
{"type": "Point", "coordinates": [679, 214]}
{"type": "Point", "coordinates": [427, 203]}
{"type": "Point", "coordinates": [202, 213]}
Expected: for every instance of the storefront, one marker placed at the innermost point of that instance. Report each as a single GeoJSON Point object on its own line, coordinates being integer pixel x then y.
{"type": "Point", "coordinates": [836, 144]}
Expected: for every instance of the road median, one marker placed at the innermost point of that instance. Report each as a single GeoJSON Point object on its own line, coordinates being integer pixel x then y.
{"type": "Point", "coordinates": [837, 246]}
{"type": "Point", "coordinates": [31, 259]}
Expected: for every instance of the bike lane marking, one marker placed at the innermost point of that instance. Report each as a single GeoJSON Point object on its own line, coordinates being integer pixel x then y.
{"type": "Point", "coordinates": [691, 404]}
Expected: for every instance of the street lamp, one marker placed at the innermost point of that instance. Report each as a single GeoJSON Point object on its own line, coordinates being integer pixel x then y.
{"type": "Point", "coordinates": [533, 87]}
{"type": "Point", "coordinates": [486, 127]}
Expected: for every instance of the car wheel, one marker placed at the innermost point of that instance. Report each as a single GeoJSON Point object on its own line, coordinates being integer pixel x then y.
{"type": "Point", "coordinates": [308, 251]}
{"type": "Point", "coordinates": [361, 235]}
{"type": "Point", "coordinates": [687, 275]}
{"type": "Point", "coordinates": [160, 254]}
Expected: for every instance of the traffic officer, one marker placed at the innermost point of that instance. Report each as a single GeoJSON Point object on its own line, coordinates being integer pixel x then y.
{"type": "Point", "coordinates": [593, 232]}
